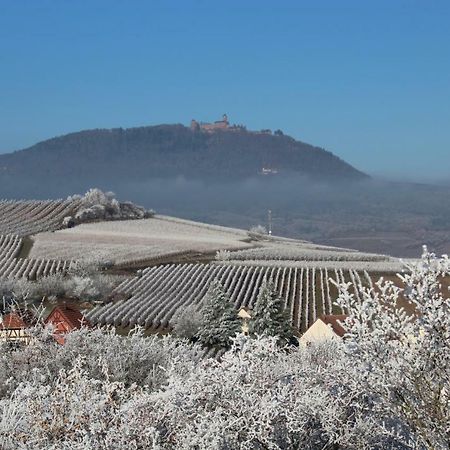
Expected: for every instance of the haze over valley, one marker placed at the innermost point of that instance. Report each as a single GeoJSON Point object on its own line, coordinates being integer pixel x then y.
{"type": "Point", "coordinates": [233, 177]}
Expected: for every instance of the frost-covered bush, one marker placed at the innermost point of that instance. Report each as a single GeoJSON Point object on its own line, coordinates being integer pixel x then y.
{"type": "Point", "coordinates": [21, 290]}
{"type": "Point", "coordinates": [94, 288]}
{"type": "Point", "coordinates": [78, 396]}
{"type": "Point", "coordinates": [257, 232]}
{"type": "Point", "coordinates": [187, 322]}
{"type": "Point", "coordinates": [257, 396]}
{"type": "Point", "coordinates": [82, 282]}
{"type": "Point", "coordinates": [403, 356]}
{"type": "Point", "coordinates": [26, 291]}
{"type": "Point", "coordinates": [132, 359]}
{"type": "Point", "coordinates": [260, 397]}
{"type": "Point", "coordinates": [51, 286]}
{"type": "Point", "coordinates": [73, 412]}
{"type": "Point", "coordinates": [86, 282]}
{"type": "Point", "coordinates": [223, 255]}
{"type": "Point", "coordinates": [98, 205]}
{"type": "Point", "coordinates": [385, 386]}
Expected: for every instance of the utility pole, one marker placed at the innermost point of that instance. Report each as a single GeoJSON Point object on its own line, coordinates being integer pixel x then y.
{"type": "Point", "coordinates": [269, 217]}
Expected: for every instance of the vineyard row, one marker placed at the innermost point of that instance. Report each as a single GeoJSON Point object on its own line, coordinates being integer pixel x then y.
{"type": "Point", "coordinates": [25, 218]}
{"type": "Point", "coordinates": [153, 298]}
{"type": "Point", "coordinates": [12, 267]}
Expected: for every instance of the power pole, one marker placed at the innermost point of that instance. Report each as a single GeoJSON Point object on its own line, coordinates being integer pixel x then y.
{"type": "Point", "coordinates": [269, 217]}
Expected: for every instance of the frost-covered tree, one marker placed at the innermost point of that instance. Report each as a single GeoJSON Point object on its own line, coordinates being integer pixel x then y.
{"type": "Point", "coordinates": [102, 391]}
{"type": "Point", "coordinates": [255, 397]}
{"type": "Point", "coordinates": [99, 205]}
{"type": "Point", "coordinates": [80, 283]}
{"type": "Point", "coordinates": [269, 316]}
{"type": "Point", "coordinates": [86, 282]}
{"type": "Point", "coordinates": [399, 338]}
{"type": "Point", "coordinates": [260, 397]}
{"type": "Point", "coordinates": [132, 359]}
{"type": "Point", "coordinates": [385, 386]}
{"type": "Point", "coordinates": [257, 232]}
{"type": "Point", "coordinates": [258, 229]}
{"type": "Point", "coordinates": [187, 322]}
{"type": "Point", "coordinates": [223, 255]}
{"type": "Point", "coordinates": [220, 321]}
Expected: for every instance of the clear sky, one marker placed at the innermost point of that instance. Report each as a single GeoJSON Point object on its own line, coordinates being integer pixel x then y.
{"type": "Point", "coordinates": [367, 80]}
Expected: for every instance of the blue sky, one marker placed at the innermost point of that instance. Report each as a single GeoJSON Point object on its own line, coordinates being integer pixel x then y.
{"type": "Point", "coordinates": [368, 80]}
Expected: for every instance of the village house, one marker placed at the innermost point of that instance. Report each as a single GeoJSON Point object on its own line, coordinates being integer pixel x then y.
{"type": "Point", "coordinates": [327, 327]}
{"type": "Point", "coordinates": [64, 319]}
{"type": "Point", "coordinates": [14, 325]}
{"type": "Point", "coordinates": [244, 314]}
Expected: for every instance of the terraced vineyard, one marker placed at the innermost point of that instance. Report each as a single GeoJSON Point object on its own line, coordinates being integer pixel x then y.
{"type": "Point", "coordinates": [13, 267]}
{"type": "Point", "coordinates": [137, 242]}
{"type": "Point", "coordinates": [301, 252]}
{"type": "Point", "coordinates": [300, 270]}
{"type": "Point", "coordinates": [159, 292]}
{"type": "Point", "coordinates": [24, 218]}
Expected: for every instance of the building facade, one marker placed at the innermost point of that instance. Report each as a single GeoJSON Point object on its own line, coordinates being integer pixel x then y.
{"type": "Point", "coordinates": [223, 124]}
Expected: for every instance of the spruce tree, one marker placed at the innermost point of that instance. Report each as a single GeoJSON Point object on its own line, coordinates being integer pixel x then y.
{"type": "Point", "coordinates": [220, 321]}
{"type": "Point", "coordinates": [269, 317]}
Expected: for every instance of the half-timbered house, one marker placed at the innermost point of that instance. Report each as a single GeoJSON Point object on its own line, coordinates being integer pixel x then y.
{"type": "Point", "coordinates": [13, 327]}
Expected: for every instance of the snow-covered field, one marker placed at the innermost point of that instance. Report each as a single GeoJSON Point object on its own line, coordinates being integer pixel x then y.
{"type": "Point", "coordinates": [146, 241]}
{"type": "Point", "coordinates": [279, 251]}
{"type": "Point", "coordinates": [297, 254]}
{"type": "Point", "coordinates": [393, 266]}
{"type": "Point", "coordinates": [131, 241]}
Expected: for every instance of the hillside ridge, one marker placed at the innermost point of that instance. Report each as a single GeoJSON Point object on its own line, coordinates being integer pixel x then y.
{"type": "Point", "coordinates": [175, 150]}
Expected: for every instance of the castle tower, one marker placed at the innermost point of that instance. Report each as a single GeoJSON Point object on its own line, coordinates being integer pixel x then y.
{"type": "Point", "coordinates": [194, 125]}
{"type": "Point", "coordinates": [225, 118]}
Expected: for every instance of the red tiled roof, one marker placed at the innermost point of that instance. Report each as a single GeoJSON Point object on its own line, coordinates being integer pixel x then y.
{"type": "Point", "coordinates": [12, 321]}
{"type": "Point", "coordinates": [335, 322]}
{"type": "Point", "coordinates": [70, 315]}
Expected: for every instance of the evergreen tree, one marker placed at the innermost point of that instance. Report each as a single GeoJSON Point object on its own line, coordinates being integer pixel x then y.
{"type": "Point", "coordinates": [220, 321]}
{"type": "Point", "coordinates": [269, 317]}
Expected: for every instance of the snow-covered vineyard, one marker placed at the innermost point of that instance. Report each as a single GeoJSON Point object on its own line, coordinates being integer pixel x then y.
{"type": "Point", "coordinates": [159, 292]}
{"type": "Point", "coordinates": [134, 242]}
{"type": "Point", "coordinates": [19, 219]}
{"type": "Point", "coordinates": [13, 267]}
{"type": "Point", "coordinates": [303, 252]}
{"type": "Point", "coordinates": [177, 260]}
{"type": "Point", "coordinates": [25, 218]}
{"type": "Point", "coordinates": [31, 218]}
{"type": "Point", "coordinates": [211, 289]}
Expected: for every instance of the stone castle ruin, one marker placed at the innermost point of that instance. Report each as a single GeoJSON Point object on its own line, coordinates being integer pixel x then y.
{"type": "Point", "coordinates": [210, 127]}
{"type": "Point", "coordinates": [222, 125]}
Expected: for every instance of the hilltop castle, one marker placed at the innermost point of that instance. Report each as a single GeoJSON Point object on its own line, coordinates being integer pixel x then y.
{"type": "Point", "coordinates": [210, 127]}
{"type": "Point", "coordinates": [224, 125]}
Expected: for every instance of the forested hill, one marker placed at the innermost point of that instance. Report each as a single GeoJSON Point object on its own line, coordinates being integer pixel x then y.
{"type": "Point", "coordinates": [173, 150]}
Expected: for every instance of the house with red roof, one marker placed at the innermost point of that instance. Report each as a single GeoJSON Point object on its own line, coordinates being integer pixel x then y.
{"type": "Point", "coordinates": [64, 319]}
{"type": "Point", "coordinates": [325, 328]}
{"type": "Point", "coordinates": [14, 325]}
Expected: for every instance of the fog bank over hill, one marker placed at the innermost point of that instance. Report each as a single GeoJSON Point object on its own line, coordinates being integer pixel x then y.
{"type": "Point", "coordinates": [391, 218]}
